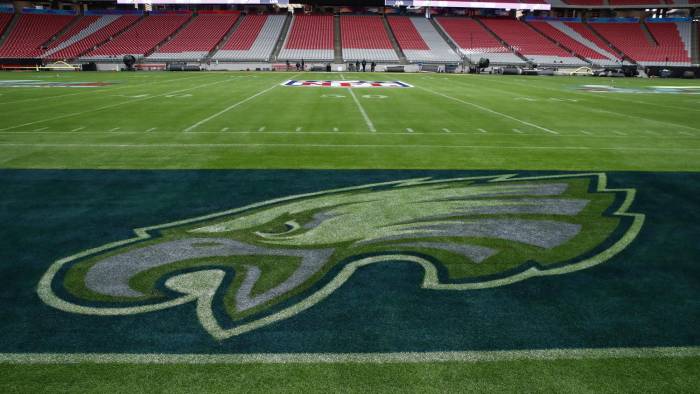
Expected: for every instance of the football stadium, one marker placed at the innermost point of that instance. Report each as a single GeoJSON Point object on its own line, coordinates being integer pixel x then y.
{"type": "Point", "coordinates": [350, 196]}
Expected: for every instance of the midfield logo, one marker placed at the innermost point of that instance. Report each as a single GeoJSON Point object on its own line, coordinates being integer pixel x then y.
{"type": "Point", "coordinates": [256, 265]}
{"type": "Point", "coordinates": [347, 84]}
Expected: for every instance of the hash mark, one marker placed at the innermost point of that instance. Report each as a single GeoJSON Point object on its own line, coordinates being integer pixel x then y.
{"type": "Point", "coordinates": [482, 130]}
{"type": "Point", "coordinates": [78, 128]}
{"type": "Point", "coordinates": [586, 132]}
{"type": "Point", "coordinates": [446, 130]}
{"type": "Point", "coordinates": [298, 129]}
{"type": "Point", "coordinates": [224, 129]}
{"type": "Point", "coordinates": [262, 128]}
{"type": "Point", "coordinates": [410, 130]}
{"type": "Point", "coordinates": [41, 128]}
{"type": "Point", "coordinates": [152, 128]}
{"type": "Point", "coordinates": [517, 131]}
{"type": "Point", "coordinates": [115, 129]}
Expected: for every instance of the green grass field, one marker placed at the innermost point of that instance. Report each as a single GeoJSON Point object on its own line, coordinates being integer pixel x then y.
{"type": "Point", "coordinates": [53, 138]}
{"type": "Point", "coordinates": [246, 120]}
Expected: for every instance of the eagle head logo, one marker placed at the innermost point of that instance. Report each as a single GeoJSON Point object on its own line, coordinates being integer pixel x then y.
{"type": "Point", "coordinates": [256, 265]}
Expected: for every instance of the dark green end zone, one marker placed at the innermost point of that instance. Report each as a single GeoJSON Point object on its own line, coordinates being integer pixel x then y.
{"type": "Point", "coordinates": [645, 296]}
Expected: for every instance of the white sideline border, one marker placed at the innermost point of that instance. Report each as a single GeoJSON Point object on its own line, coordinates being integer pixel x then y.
{"type": "Point", "coordinates": [375, 358]}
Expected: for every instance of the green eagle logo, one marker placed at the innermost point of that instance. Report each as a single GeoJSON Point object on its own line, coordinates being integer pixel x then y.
{"type": "Point", "coordinates": [256, 265]}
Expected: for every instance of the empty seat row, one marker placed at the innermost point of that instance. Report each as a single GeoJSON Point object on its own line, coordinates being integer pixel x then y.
{"type": "Point", "coordinates": [365, 37]}
{"type": "Point", "coordinates": [254, 39]}
{"type": "Point", "coordinates": [475, 42]}
{"type": "Point", "coordinates": [310, 37]}
{"type": "Point", "coordinates": [31, 33]}
{"type": "Point", "coordinates": [420, 41]}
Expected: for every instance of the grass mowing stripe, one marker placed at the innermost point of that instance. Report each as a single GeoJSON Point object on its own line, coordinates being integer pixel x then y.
{"type": "Point", "coordinates": [488, 110]}
{"type": "Point", "coordinates": [379, 358]}
{"type": "Point", "coordinates": [232, 106]}
{"type": "Point", "coordinates": [383, 146]}
{"type": "Point", "coordinates": [108, 106]}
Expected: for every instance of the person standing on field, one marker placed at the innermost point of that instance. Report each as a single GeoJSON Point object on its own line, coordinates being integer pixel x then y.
{"type": "Point", "coordinates": [364, 65]}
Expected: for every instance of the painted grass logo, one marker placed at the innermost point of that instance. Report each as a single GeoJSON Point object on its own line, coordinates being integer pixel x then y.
{"type": "Point", "coordinates": [646, 89]}
{"type": "Point", "coordinates": [256, 265]}
{"type": "Point", "coordinates": [347, 84]}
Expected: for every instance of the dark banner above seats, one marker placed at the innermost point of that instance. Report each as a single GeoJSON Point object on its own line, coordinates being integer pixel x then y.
{"type": "Point", "coordinates": [468, 4]}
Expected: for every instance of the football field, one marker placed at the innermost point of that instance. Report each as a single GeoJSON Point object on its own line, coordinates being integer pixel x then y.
{"type": "Point", "coordinates": [348, 232]}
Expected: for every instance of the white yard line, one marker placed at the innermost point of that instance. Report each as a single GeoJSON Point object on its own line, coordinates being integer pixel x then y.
{"type": "Point", "coordinates": [383, 146]}
{"type": "Point", "coordinates": [234, 105]}
{"type": "Point", "coordinates": [78, 128]}
{"type": "Point", "coordinates": [368, 121]}
{"type": "Point", "coordinates": [489, 110]}
{"type": "Point", "coordinates": [107, 106]}
{"type": "Point", "coordinates": [482, 130]}
{"type": "Point", "coordinates": [469, 356]}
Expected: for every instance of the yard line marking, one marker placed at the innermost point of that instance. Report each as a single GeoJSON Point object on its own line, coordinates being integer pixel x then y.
{"type": "Point", "coordinates": [41, 129]}
{"type": "Point", "coordinates": [586, 132]}
{"type": "Point", "coordinates": [368, 121]}
{"type": "Point", "coordinates": [618, 132]}
{"type": "Point", "coordinates": [224, 129]}
{"type": "Point", "coordinates": [410, 130]}
{"type": "Point", "coordinates": [517, 131]}
{"type": "Point", "coordinates": [335, 129]}
{"type": "Point", "coordinates": [383, 146]}
{"type": "Point", "coordinates": [152, 129]}
{"type": "Point", "coordinates": [234, 105]}
{"type": "Point", "coordinates": [469, 356]}
{"type": "Point", "coordinates": [446, 130]}
{"type": "Point", "coordinates": [107, 106]}
{"type": "Point", "coordinates": [482, 130]}
{"type": "Point", "coordinates": [115, 129]}
{"type": "Point", "coordinates": [78, 128]}
{"type": "Point", "coordinates": [489, 110]}
{"type": "Point", "coordinates": [298, 129]}
{"type": "Point", "coordinates": [262, 128]}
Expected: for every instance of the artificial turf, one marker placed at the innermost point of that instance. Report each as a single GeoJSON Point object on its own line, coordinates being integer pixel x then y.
{"type": "Point", "coordinates": [241, 121]}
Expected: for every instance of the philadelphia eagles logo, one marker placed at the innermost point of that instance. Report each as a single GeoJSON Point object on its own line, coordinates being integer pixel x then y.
{"type": "Point", "coordinates": [256, 265]}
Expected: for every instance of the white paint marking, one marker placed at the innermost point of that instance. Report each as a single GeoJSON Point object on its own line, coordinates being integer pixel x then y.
{"type": "Point", "coordinates": [224, 129]}
{"type": "Point", "coordinates": [482, 130]}
{"type": "Point", "coordinates": [368, 121]}
{"type": "Point", "coordinates": [382, 146]}
{"type": "Point", "coordinates": [489, 110]}
{"type": "Point", "coordinates": [446, 130]}
{"type": "Point", "coordinates": [298, 129]}
{"type": "Point", "coordinates": [410, 130]}
{"type": "Point", "coordinates": [469, 356]}
{"type": "Point", "coordinates": [262, 128]}
{"type": "Point", "coordinates": [78, 128]}
{"type": "Point", "coordinates": [232, 106]}
{"type": "Point", "coordinates": [517, 131]}
{"type": "Point", "coordinates": [586, 132]}
{"type": "Point", "coordinates": [335, 129]}
{"type": "Point", "coordinates": [152, 129]}
{"type": "Point", "coordinates": [115, 129]}
{"type": "Point", "coordinates": [105, 107]}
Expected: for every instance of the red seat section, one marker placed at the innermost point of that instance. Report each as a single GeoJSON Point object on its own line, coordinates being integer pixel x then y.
{"type": "Point", "coordinates": [631, 40]}
{"type": "Point", "coordinates": [82, 23]}
{"type": "Point", "coordinates": [406, 34]}
{"type": "Point", "coordinates": [95, 38]}
{"type": "Point", "coordinates": [467, 33]}
{"type": "Point", "coordinates": [584, 31]}
{"type": "Point", "coordinates": [243, 38]}
{"type": "Point", "coordinates": [634, 2]}
{"type": "Point", "coordinates": [143, 37]}
{"type": "Point", "coordinates": [364, 32]}
{"type": "Point", "coordinates": [31, 32]}
{"type": "Point", "coordinates": [565, 40]}
{"type": "Point", "coordinates": [202, 34]}
{"type": "Point", "coordinates": [5, 19]}
{"type": "Point", "coordinates": [525, 40]}
{"type": "Point", "coordinates": [311, 32]}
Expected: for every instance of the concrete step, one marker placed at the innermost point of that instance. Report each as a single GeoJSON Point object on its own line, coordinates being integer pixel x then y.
{"type": "Point", "coordinates": [282, 38]}
{"type": "Point", "coordinates": [337, 41]}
